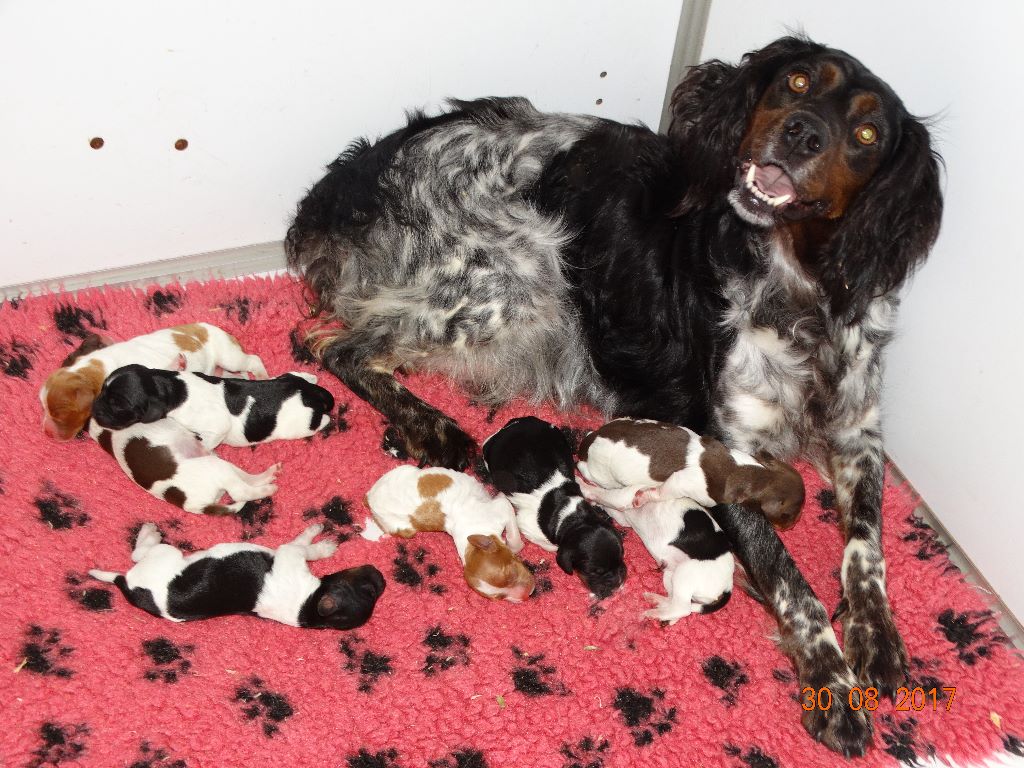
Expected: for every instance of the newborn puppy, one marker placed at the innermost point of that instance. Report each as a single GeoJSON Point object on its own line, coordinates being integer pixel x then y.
{"type": "Point", "coordinates": [230, 411]}
{"type": "Point", "coordinates": [634, 461]}
{"type": "Point", "coordinates": [530, 461]}
{"type": "Point", "coordinates": [407, 500]}
{"type": "Point", "coordinates": [68, 393]}
{"type": "Point", "coordinates": [169, 462]}
{"type": "Point", "coordinates": [692, 549]}
{"type": "Point", "coordinates": [247, 578]}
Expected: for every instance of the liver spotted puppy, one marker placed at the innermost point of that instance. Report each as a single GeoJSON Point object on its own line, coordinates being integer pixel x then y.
{"type": "Point", "coordinates": [68, 394]}
{"type": "Point", "coordinates": [531, 462]}
{"type": "Point", "coordinates": [629, 462]}
{"type": "Point", "coordinates": [235, 412]}
{"type": "Point", "coordinates": [168, 461]}
{"type": "Point", "coordinates": [244, 578]}
{"type": "Point", "coordinates": [407, 500]}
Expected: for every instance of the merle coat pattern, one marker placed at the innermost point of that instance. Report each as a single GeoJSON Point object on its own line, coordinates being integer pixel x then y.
{"type": "Point", "coordinates": [738, 276]}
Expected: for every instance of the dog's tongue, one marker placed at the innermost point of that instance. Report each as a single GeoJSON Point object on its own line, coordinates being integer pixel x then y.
{"type": "Point", "coordinates": [774, 182]}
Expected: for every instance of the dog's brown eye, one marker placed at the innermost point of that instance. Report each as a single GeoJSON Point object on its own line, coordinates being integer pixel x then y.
{"type": "Point", "coordinates": [799, 82]}
{"type": "Point", "coordinates": [867, 134]}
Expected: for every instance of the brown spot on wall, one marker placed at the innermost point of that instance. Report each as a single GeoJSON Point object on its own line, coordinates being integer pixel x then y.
{"type": "Point", "coordinates": [149, 464]}
{"type": "Point", "coordinates": [430, 485]}
{"type": "Point", "coordinates": [428, 515]}
{"type": "Point", "coordinates": [106, 441]}
{"type": "Point", "coordinates": [175, 496]}
{"type": "Point", "coordinates": [189, 338]}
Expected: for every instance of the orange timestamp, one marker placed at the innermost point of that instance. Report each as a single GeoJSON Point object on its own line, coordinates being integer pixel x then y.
{"type": "Point", "coordinates": [907, 699]}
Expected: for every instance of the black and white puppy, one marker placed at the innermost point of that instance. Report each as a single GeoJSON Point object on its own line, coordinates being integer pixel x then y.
{"type": "Point", "coordinates": [693, 550]}
{"type": "Point", "coordinates": [531, 462]}
{"type": "Point", "coordinates": [230, 411]}
{"type": "Point", "coordinates": [247, 578]}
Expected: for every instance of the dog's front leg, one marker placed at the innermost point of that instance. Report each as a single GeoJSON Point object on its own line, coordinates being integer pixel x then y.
{"type": "Point", "coordinates": [428, 435]}
{"type": "Point", "coordinates": [873, 645]}
{"type": "Point", "coordinates": [804, 629]}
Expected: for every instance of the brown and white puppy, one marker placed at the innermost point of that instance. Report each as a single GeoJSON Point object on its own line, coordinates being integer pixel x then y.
{"type": "Point", "coordinates": [68, 393]}
{"type": "Point", "coordinates": [408, 500]}
{"type": "Point", "coordinates": [168, 461]}
{"type": "Point", "coordinates": [630, 462]}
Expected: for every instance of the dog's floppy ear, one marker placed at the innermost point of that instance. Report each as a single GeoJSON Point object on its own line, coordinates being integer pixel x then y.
{"type": "Point", "coordinates": [711, 111]}
{"type": "Point", "coordinates": [889, 228]}
{"type": "Point", "coordinates": [564, 559]}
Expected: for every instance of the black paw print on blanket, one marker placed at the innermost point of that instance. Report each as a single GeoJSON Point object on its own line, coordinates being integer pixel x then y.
{"type": "Point", "coordinates": [335, 516]}
{"type": "Point", "coordinates": [83, 591]}
{"type": "Point", "coordinates": [386, 758]}
{"type": "Point", "coordinates": [240, 309]}
{"type": "Point", "coordinates": [77, 322]}
{"type": "Point", "coordinates": [588, 752]}
{"type": "Point", "coordinates": [446, 651]}
{"type": "Point", "coordinates": [541, 579]}
{"type": "Point", "coordinates": [901, 740]}
{"type": "Point", "coordinates": [255, 516]}
{"type": "Point", "coordinates": [170, 531]}
{"type": "Point", "coordinates": [58, 510]}
{"type": "Point", "coordinates": [259, 703]}
{"type": "Point", "coordinates": [369, 665]}
{"type": "Point", "coordinates": [973, 633]}
{"type": "Point", "coordinates": [535, 678]}
{"type": "Point", "coordinates": [461, 758]}
{"type": "Point", "coordinates": [752, 757]}
{"type": "Point", "coordinates": [414, 569]}
{"type": "Point", "coordinates": [162, 303]}
{"type": "Point", "coordinates": [59, 743]}
{"type": "Point", "coordinates": [44, 653]}
{"type": "Point", "coordinates": [169, 660]}
{"type": "Point", "coordinates": [725, 675]}
{"type": "Point", "coordinates": [645, 716]}
{"type": "Point", "coordinates": [17, 358]}
{"type": "Point", "coordinates": [156, 757]}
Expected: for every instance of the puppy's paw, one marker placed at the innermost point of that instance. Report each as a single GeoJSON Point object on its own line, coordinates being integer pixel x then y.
{"type": "Point", "coordinates": [321, 550]}
{"type": "Point", "coordinates": [644, 497]}
{"type": "Point", "coordinates": [371, 531]}
{"type": "Point", "coordinates": [840, 728]}
{"type": "Point", "coordinates": [307, 536]}
{"type": "Point", "coordinates": [438, 441]}
{"type": "Point", "coordinates": [664, 609]}
{"type": "Point", "coordinates": [873, 646]}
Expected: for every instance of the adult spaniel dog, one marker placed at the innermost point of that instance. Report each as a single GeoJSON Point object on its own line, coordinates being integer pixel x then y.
{"type": "Point", "coordinates": [738, 276]}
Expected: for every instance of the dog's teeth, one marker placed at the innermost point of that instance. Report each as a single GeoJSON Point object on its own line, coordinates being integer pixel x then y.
{"type": "Point", "coordinates": [750, 175]}
{"type": "Point", "coordinates": [777, 201]}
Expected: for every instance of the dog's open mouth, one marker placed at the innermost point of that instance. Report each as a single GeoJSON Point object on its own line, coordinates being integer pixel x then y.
{"type": "Point", "coordinates": [769, 184]}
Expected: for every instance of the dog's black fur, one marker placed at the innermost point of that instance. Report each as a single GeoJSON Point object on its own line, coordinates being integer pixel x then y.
{"type": "Point", "coordinates": [525, 455]}
{"type": "Point", "coordinates": [572, 257]}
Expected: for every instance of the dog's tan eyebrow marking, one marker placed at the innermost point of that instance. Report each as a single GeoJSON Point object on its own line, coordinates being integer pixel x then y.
{"type": "Point", "coordinates": [864, 104]}
{"type": "Point", "coordinates": [829, 76]}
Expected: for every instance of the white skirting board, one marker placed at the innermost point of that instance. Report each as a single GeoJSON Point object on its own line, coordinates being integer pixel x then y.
{"type": "Point", "coordinates": [232, 262]}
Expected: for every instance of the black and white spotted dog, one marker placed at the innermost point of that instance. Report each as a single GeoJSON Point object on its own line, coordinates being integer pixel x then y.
{"type": "Point", "coordinates": [530, 461]}
{"type": "Point", "coordinates": [245, 578]}
{"type": "Point", "coordinates": [739, 276]}
{"type": "Point", "coordinates": [230, 411]}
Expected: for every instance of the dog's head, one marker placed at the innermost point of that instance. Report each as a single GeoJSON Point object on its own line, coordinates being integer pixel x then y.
{"type": "Point", "coordinates": [493, 571]}
{"type": "Point", "coordinates": [67, 396]}
{"type": "Point", "coordinates": [775, 488]}
{"type": "Point", "coordinates": [134, 394]}
{"type": "Point", "coordinates": [590, 547]}
{"type": "Point", "coordinates": [344, 600]}
{"type": "Point", "coordinates": [804, 138]}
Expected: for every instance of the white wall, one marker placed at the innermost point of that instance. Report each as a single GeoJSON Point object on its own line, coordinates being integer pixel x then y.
{"type": "Point", "coordinates": [266, 92]}
{"type": "Point", "coordinates": [954, 407]}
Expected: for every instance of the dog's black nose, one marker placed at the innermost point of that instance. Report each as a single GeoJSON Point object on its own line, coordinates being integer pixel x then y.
{"type": "Point", "coordinates": [805, 134]}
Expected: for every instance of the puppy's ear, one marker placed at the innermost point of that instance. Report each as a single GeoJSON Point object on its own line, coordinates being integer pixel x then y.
{"type": "Point", "coordinates": [327, 605]}
{"type": "Point", "coordinates": [483, 543]}
{"type": "Point", "coordinates": [564, 560]}
{"type": "Point", "coordinates": [743, 484]}
{"type": "Point", "coordinates": [889, 228]}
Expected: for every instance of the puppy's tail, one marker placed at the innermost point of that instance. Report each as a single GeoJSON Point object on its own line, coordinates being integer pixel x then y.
{"type": "Point", "coordinates": [108, 576]}
{"type": "Point", "coordinates": [717, 604]}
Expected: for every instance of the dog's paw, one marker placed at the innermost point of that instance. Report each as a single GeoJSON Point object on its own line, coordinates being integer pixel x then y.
{"type": "Point", "coordinates": [664, 609]}
{"type": "Point", "coordinates": [843, 730]}
{"type": "Point", "coordinates": [873, 646]}
{"type": "Point", "coordinates": [321, 550]}
{"type": "Point", "coordinates": [439, 442]}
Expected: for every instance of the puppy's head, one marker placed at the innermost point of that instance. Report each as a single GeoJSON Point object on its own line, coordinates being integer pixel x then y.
{"type": "Point", "coordinates": [133, 394]}
{"type": "Point", "coordinates": [344, 600]}
{"type": "Point", "coordinates": [67, 399]}
{"type": "Point", "coordinates": [493, 571]}
{"type": "Point", "coordinates": [776, 489]}
{"type": "Point", "coordinates": [592, 549]}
